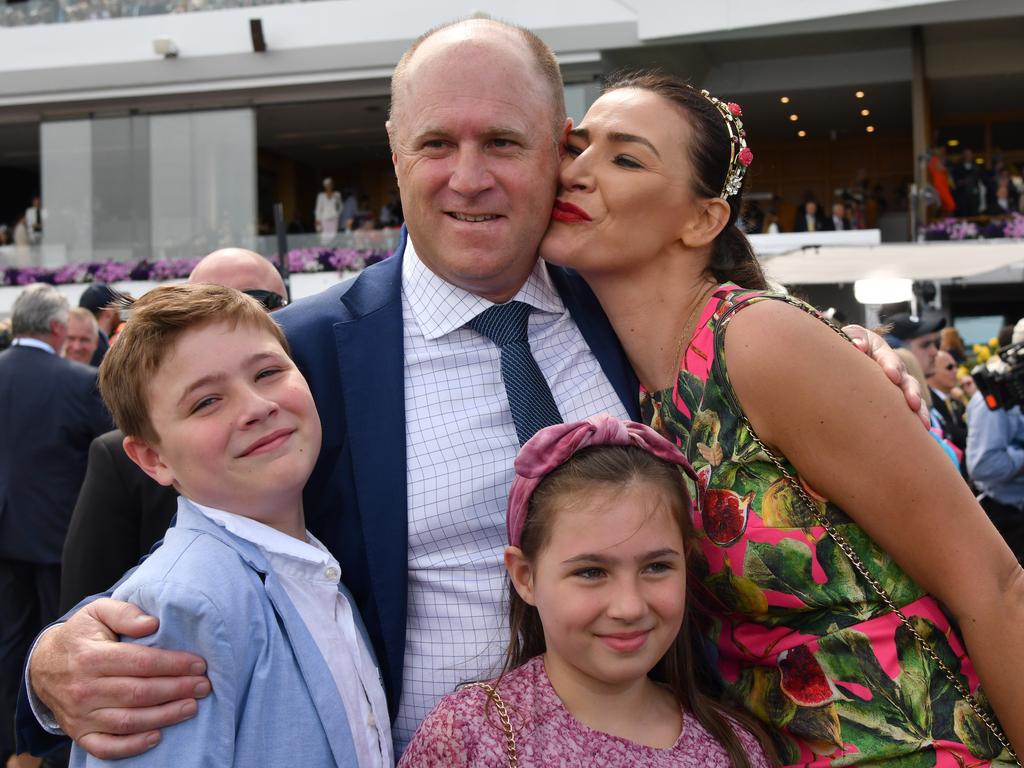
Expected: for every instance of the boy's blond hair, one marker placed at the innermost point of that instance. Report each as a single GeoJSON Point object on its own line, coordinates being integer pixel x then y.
{"type": "Point", "coordinates": [157, 320]}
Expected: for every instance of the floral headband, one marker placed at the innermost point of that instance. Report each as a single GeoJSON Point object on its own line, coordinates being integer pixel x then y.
{"type": "Point", "coordinates": [740, 156]}
{"type": "Point", "coordinates": [552, 446]}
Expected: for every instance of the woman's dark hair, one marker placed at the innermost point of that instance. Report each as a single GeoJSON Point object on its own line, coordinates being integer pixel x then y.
{"type": "Point", "coordinates": [732, 258]}
{"type": "Point", "coordinates": [684, 669]}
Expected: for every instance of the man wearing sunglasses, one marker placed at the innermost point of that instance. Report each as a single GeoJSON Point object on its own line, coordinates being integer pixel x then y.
{"type": "Point", "coordinates": [121, 512]}
{"type": "Point", "coordinates": [946, 403]}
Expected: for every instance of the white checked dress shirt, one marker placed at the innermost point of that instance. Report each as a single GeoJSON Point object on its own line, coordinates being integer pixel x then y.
{"type": "Point", "coordinates": [460, 445]}
{"type": "Point", "coordinates": [310, 577]}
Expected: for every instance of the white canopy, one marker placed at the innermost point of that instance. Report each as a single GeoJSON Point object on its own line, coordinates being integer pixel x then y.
{"type": "Point", "coordinates": [917, 261]}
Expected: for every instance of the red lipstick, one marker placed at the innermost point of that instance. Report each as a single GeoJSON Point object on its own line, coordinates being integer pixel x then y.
{"type": "Point", "coordinates": [568, 213]}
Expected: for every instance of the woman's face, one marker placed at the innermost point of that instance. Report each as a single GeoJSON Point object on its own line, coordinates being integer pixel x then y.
{"type": "Point", "coordinates": [626, 182]}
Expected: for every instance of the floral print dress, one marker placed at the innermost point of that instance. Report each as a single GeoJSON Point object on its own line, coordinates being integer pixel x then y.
{"type": "Point", "coordinates": [804, 642]}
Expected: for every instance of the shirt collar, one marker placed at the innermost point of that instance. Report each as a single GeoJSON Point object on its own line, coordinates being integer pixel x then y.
{"type": "Point", "coordinates": [440, 307]}
{"type": "Point", "coordinates": [277, 546]}
{"type": "Point", "coordinates": [25, 341]}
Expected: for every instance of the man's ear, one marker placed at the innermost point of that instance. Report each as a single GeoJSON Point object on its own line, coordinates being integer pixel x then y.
{"type": "Point", "coordinates": [706, 224]}
{"type": "Point", "coordinates": [520, 571]}
{"type": "Point", "coordinates": [563, 136]}
{"type": "Point", "coordinates": [148, 459]}
{"type": "Point", "coordinates": [389, 128]}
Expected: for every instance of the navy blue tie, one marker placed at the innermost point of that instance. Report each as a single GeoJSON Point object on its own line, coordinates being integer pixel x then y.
{"type": "Point", "coordinates": [529, 396]}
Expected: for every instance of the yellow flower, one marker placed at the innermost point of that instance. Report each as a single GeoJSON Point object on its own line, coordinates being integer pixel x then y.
{"type": "Point", "coordinates": [993, 343]}
{"type": "Point", "coordinates": [984, 354]}
{"type": "Point", "coordinates": [977, 348]}
{"type": "Point", "coordinates": [961, 372]}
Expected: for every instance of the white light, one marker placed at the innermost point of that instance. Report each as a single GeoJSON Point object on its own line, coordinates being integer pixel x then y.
{"type": "Point", "coordinates": [883, 290]}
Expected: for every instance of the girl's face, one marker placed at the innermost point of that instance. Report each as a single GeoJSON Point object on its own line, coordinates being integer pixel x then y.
{"type": "Point", "coordinates": [626, 181]}
{"type": "Point", "coordinates": [609, 585]}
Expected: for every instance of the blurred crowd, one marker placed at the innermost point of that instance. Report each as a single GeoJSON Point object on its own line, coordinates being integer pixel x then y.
{"type": "Point", "coordinates": [966, 186]}
{"type": "Point", "coordinates": [982, 433]}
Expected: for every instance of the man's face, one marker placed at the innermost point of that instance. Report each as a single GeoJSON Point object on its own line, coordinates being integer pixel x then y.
{"type": "Point", "coordinates": [925, 348]}
{"type": "Point", "coordinates": [82, 340]}
{"type": "Point", "coordinates": [474, 148]}
{"type": "Point", "coordinates": [235, 419]}
{"type": "Point", "coordinates": [944, 377]}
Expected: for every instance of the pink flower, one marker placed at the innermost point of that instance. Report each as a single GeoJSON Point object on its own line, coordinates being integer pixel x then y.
{"type": "Point", "coordinates": [735, 108]}
{"type": "Point", "coordinates": [746, 156]}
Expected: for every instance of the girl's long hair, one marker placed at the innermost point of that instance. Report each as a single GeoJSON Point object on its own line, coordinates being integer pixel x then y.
{"type": "Point", "coordinates": [685, 669]}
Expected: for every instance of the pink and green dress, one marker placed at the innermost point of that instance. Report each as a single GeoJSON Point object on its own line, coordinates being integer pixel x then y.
{"type": "Point", "coordinates": [803, 641]}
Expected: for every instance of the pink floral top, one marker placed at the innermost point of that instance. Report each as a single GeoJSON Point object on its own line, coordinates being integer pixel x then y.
{"type": "Point", "coordinates": [464, 730]}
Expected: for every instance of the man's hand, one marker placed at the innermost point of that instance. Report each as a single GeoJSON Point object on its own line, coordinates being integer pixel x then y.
{"type": "Point", "coordinates": [874, 346]}
{"type": "Point", "coordinates": [111, 697]}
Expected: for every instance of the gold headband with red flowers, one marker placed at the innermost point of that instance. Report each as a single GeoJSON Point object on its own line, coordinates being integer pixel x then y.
{"type": "Point", "coordinates": [740, 156]}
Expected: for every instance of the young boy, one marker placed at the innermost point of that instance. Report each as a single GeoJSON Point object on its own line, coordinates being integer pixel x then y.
{"type": "Point", "coordinates": [202, 385]}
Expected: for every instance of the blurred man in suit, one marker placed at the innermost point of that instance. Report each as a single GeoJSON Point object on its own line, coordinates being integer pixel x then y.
{"type": "Point", "coordinates": [946, 402]}
{"type": "Point", "coordinates": [50, 411]}
{"type": "Point", "coordinates": [809, 218]}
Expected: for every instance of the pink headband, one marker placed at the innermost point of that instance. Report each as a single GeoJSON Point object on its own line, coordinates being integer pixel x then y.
{"type": "Point", "coordinates": [552, 446]}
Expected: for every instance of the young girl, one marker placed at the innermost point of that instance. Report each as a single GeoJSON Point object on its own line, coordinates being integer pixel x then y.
{"type": "Point", "coordinates": [599, 528]}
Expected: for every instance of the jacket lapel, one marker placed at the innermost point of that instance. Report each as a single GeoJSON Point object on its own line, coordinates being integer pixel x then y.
{"type": "Point", "coordinates": [598, 333]}
{"type": "Point", "coordinates": [370, 353]}
{"type": "Point", "coordinates": [318, 677]}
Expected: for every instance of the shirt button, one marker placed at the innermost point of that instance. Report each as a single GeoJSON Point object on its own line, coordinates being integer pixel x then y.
{"type": "Point", "coordinates": [371, 720]}
{"type": "Point", "coordinates": [332, 573]}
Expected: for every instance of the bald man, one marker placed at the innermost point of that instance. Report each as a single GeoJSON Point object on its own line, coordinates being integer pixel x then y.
{"type": "Point", "coordinates": [121, 512]}
{"type": "Point", "coordinates": [245, 270]}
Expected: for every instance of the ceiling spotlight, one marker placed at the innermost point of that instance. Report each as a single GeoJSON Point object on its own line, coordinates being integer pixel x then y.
{"type": "Point", "coordinates": [865, 112]}
{"type": "Point", "coordinates": [870, 129]}
{"type": "Point", "coordinates": [953, 143]}
{"type": "Point", "coordinates": [794, 117]}
{"type": "Point", "coordinates": [859, 94]}
{"type": "Point", "coordinates": [784, 100]}
{"type": "Point", "coordinates": [801, 133]}
{"type": "Point", "coordinates": [164, 46]}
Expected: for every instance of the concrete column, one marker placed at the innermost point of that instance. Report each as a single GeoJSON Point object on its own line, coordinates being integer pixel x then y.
{"type": "Point", "coordinates": [921, 121]}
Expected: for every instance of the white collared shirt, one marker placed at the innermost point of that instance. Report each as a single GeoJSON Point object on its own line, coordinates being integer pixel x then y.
{"type": "Point", "coordinates": [25, 341]}
{"type": "Point", "coordinates": [310, 577]}
{"type": "Point", "coordinates": [460, 445]}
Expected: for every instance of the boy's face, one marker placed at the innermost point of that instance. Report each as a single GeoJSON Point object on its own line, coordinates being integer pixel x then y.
{"type": "Point", "coordinates": [236, 423]}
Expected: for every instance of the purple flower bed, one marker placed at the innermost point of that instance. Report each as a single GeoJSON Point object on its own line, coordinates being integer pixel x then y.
{"type": "Point", "coordinates": [299, 260]}
{"type": "Point", "coordinates": [956, 229]}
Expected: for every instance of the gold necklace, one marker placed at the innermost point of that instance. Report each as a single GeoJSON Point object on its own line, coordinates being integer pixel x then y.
{"type": "Point", "coordinates": [688, 329]}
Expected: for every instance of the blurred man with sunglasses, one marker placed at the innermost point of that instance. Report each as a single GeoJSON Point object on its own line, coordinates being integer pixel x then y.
{"type": "Point", "coordinates": [946, 401]}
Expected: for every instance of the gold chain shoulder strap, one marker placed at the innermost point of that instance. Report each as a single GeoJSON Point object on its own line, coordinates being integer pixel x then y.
{"type": "Point", "coordinates": [862, 569]}
{"type": "Point", "coordinates": [506, 723]}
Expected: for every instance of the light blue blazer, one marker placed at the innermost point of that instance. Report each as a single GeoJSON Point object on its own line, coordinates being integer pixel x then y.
{"type": "Point", "coordinates": [274, 701]}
